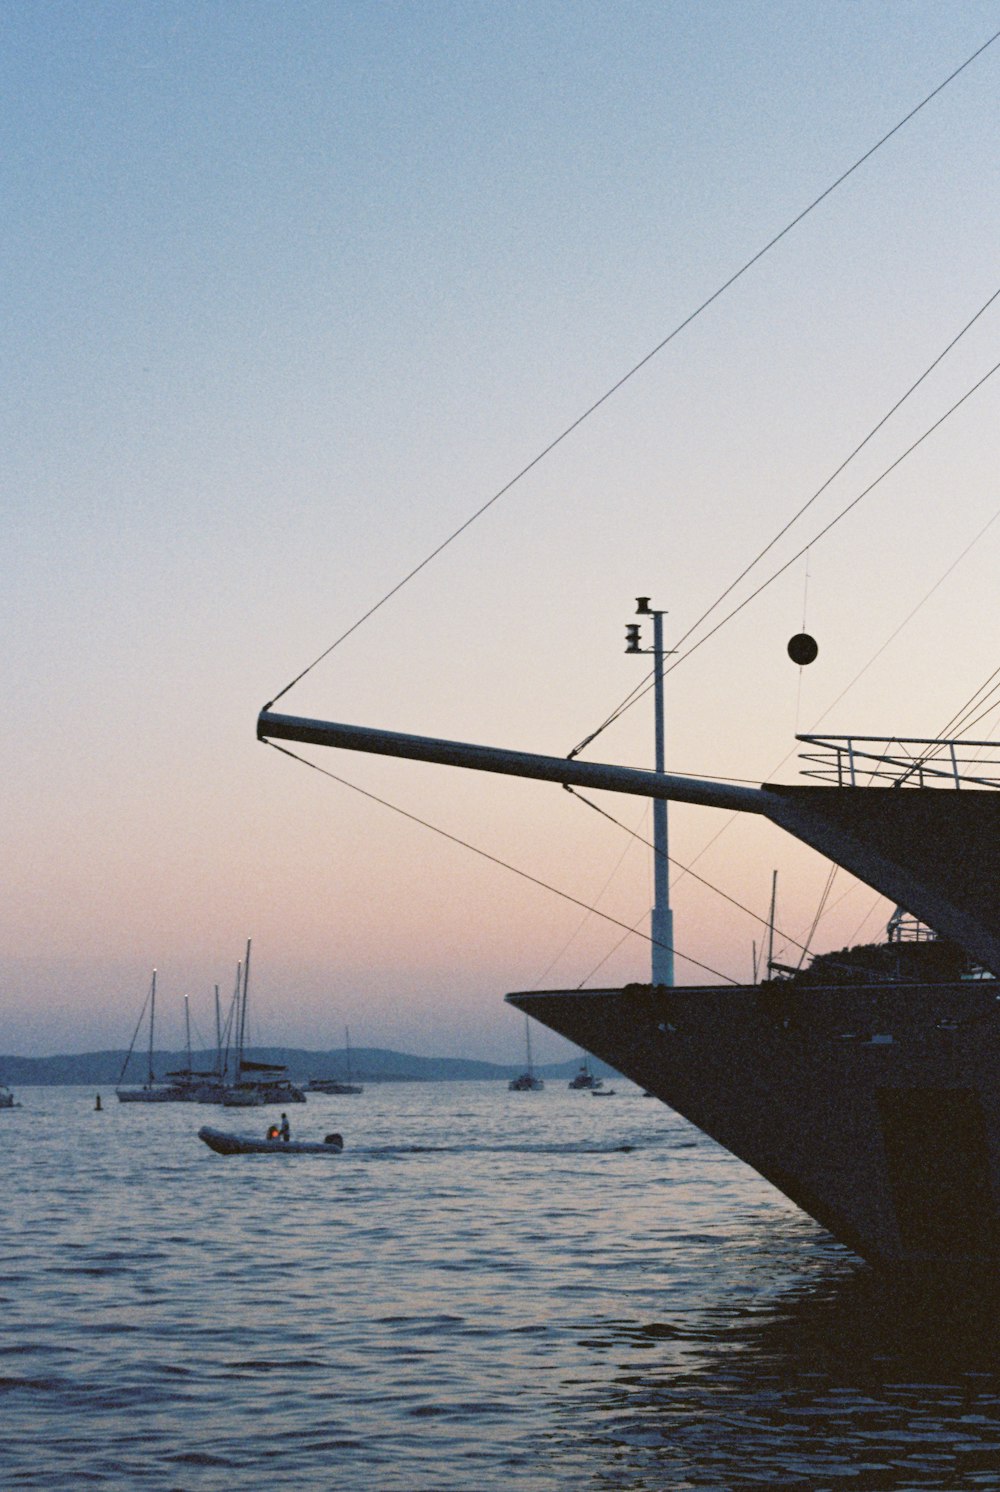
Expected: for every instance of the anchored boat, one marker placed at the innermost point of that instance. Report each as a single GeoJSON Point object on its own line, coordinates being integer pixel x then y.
{"type": "Point", "coordinates": [256, 1083]}
{"type": "Point", "coordinates": [178, 1090]}
{"type": "Point", "coordinates": [341, 1087]}
{"type": "Point", "coordinates": [527, 1081]}
{"type": "Point", "coordinates": [585, 1079]}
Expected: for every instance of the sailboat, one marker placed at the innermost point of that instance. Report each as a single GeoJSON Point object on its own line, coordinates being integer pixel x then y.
{"type": "Point", "coordinates": [192, 1085]}
{"type": "Point", "coordinates": [7, 1098]}
{"type": "Point", "coordinates": [338, 1086]}
{"type": "Point", "coordinates": [526, 1082]}
{"type": "Point", "coordinates": [152, 1091]}
{"type": "Point", "coordinates": [256, 1083]}
{"type": "Point", "coordinates": [210, 1087]}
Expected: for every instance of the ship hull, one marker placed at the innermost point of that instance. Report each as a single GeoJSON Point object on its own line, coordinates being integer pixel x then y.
{"type": "Point", "coordinates": [876, 1110]}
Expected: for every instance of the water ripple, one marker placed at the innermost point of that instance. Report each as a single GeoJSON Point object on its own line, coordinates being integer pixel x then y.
{"type": "Point", "coordinates": [579, 1294]}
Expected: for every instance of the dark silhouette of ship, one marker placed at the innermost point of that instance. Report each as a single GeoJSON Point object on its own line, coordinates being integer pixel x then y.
{"type": "Point", "coordinates": [866, 1088]}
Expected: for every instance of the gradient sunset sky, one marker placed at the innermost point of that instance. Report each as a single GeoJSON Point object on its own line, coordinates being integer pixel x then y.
{"type": "Point", "coordinates": [289, 291]}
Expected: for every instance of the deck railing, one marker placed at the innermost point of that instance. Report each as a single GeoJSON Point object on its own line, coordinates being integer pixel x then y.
{"type": "Point", "coordinates": [901, 761]}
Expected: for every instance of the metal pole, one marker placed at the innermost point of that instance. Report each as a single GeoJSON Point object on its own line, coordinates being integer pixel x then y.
{"type": "Point", "coordinates": [218, 1035]}
{"type": "Point", "coordinates": [662, 924]}
{"type": "Point", "coordinates": [243, 1016]}
{"type": "Point", "coordinates": [152, 1017]}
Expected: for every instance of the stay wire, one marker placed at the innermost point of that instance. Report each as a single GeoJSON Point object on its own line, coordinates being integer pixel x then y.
{"type": "Point", "coordinates": [642, 688]}
{"type": "Point", "coordinates": [537, 983]}
{"type": "Point", "coordinates": [964, 719]}
{"type": "Point", "coordinates": [485, 855]}
{"type": "Point", "coordinates": [843, 465]}
{"type": "Point", "coordinates": [685, 869]}
{"type": "Point", "coordinates": [959, 718]}
{"type": "Point", "coordinates": [815, 540]}
{"type": "Point", "coordinates": [906, 621]}
{"type": "Point", "coordinates": [831, 875]}
{"type": "Point", "coordinates": [610, 953]}
{"type": "Point", "coordinates": [596, 405]}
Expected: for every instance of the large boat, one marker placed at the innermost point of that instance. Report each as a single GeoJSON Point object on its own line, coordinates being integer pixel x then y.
{"type": "Point", "coordinates": [873, 1103]}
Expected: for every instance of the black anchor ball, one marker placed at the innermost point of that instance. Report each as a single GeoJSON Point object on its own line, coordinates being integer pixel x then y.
{"type": "Point", "coordinates": [802, 648]}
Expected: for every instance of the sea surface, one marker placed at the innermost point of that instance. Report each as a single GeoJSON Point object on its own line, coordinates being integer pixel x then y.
{"type": "Point", "coordinates": [486, 1290]}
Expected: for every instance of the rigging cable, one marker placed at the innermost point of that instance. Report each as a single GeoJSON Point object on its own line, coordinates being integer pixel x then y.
{"type": "Point", "coordinates": [485, 855]}
{"type": "Point", "coordinates": [799, 553]}
{"type": "Point", "coordinates": [681, 325]}
{"type": "Point", "coordinates": [976, 699]}
{"type": "Point", "coordinates": [907, 619]}
{"type": "Point", "coordinates": [536, 983]}
{"type": "Point", "coordinates": [684, 869]}
{"type": "Point", "coordinates": [644, 685]}
{"type": "Point", "coordinates": [819, 911]}
{"type": "Point", "coordinates": [611, 951]}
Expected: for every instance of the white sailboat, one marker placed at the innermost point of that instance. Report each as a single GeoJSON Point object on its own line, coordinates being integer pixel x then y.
{"type": "Point", "coordinates": [152, 1091]}
{"type": "Point", "coordinates": [526, 1082]}
{"type": "Point", "coordinates": [256, 1083]}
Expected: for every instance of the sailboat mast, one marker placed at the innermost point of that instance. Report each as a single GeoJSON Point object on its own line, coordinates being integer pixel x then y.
{"type": "Point", "coordinates": [770, 924]}
{"type": "Point", "coordinates": [218, 1035]}
{"type": "Point", "coordinates": [527, 1037]}
{"type": "Point", "coordinates": [152, 1016]}
{"type": "Point", "coordinates": [243, 1015]}
{"type": "Point", "coordinates": [233, 1018]}
{"type": "Point", "coordinates": [187, 1030]}
{"type": "Point", "coordinates": [347, 1050]}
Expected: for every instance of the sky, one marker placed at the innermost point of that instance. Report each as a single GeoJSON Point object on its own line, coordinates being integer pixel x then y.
{"type": "Point", "coordinates": [289, 293]}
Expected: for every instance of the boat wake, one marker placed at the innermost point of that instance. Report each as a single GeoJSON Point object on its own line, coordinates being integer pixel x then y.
{"type": "Point", "coordinates": [572, 1148]}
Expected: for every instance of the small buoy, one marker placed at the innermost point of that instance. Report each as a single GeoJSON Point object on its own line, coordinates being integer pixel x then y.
{"type": "Point", "coordinates": [802, 649]}
{"type": "Point", "coordinates": [97, 1105]}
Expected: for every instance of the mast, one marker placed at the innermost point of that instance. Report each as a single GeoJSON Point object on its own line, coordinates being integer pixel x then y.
{"type": "Point", "coordinates": [770, 923]}
{"type": "Point", "coordinates": [243, 1015]}
{"type": "Point", "coordinates": [233, 1018]}
{"type": "Point", "coordinates": [187, 1030]}
{"type": "Point", "coordinates": [150, 1080]}
{"type": "Point", "coordinates": [347, 1049]}
{"type": "Point", "coordinates": [218, 1035]}
{"type": "Point", "coordinates": [527, 1037]}
{"type": "Point", "coordinates": [662, 920]}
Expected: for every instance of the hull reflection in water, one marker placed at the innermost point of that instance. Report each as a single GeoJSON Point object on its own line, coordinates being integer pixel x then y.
{"type": "Point", "coordinates": [873, 1108]}
{"type": "Point", "coordinates": [844, 1380]}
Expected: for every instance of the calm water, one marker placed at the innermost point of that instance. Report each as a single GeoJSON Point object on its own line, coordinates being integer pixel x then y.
{"type": "Point", "coordinates": [486, 1290]}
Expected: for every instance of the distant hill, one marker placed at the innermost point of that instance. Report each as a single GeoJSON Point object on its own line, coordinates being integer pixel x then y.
{"type": "Point", "coordinates": [368, 1065]}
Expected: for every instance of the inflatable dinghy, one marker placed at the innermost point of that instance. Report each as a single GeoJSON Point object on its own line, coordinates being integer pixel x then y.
{"type": "Point", "coordinates": [227, 1144]}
